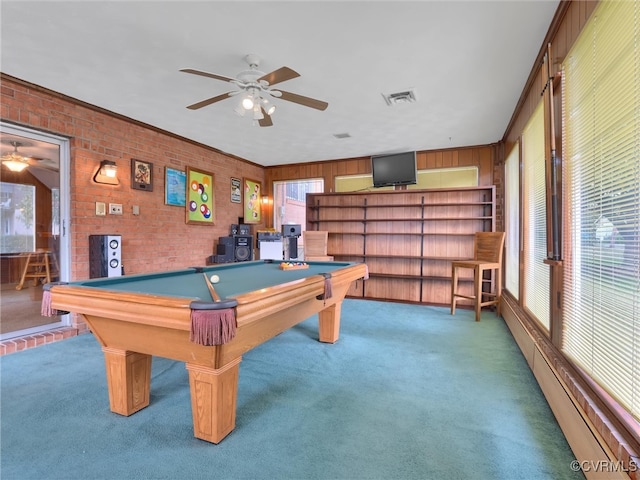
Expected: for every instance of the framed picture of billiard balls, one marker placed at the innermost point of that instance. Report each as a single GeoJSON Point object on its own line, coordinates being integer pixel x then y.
{"type": "Point", "coordinates": [200, 204]}
{"type": "Point", "coordinates": [141, 175]}
{"type": "Point", "coordinates": [252, 195]}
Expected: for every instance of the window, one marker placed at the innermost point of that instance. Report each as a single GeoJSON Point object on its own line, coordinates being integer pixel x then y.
{"type": "Point", "coordinates": [536, 278]}
{"type": "Point", "coordinates": [290, 200]}
{"type": "Point", "coordinates": [17, 217]}
{"type": "Point", "coordinates": [298, 190]}
{"type": "Point", "coordinates": [601, 319]}
{"type": "Point", "coordinates": [430, 178]}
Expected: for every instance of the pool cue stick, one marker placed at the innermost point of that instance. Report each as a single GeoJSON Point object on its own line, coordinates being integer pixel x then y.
{"type": "Point", "coordinates": [212, 291]}
{"type": "Point", "coordinates": [555, 225]}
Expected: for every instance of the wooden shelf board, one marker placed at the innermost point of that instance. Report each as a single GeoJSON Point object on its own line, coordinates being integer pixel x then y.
{"type": "Point", "coordinates": [396, 257]}
{"type": "Point", "coordinates": [417, 205]}
{"type": "Point", "coordinates": [416, 277]}
{"type": "Point", "coordinates": [424, 234]}
{"type": "Point", "coordinates": [373, 220]}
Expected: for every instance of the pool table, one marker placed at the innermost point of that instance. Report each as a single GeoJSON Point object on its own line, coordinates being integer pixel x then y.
{"type": "Point", "coordinates": [137, 316]}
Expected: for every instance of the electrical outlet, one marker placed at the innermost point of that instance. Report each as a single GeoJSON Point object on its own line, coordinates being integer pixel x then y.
{"type": "Point", "coordinates": [115, 209]}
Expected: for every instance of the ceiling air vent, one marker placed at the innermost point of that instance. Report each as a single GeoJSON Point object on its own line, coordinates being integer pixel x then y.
{"type": "Point", "coordinates": [341, 135]}
{"type": "Point", "coordinates": [408, 96]}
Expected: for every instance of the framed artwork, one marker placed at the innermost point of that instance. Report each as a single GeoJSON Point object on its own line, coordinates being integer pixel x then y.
{"type": "Point", "coordinates": [236, 190]}
{"type": "Point", "coordinates": [200, 204]}
{"type": "Point", "coordinates": [141, 175]}
{"type": "Point", "coordinates": [175, 187]}
{"type": "Point", "coordinates": [252, 196]}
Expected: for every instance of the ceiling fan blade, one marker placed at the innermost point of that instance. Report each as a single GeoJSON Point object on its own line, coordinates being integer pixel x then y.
{"type": "Point", "coordinates": [211, 100]}
{"type": "Point", "coordinates": [207, 74]}
{"type": "Point", "coordinates": [43, 163]}
{"type": "Point", "coordinates": [281, 75]}
{"type": "Point", "coordinates": [266, 120]}
{"type": "Point", "coordinates": [305, 101]}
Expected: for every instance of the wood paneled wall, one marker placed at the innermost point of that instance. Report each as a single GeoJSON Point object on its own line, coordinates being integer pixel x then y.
{"type": "Point", "coordinates": [569, 21]}
{"type": "Point", "coordinates": [483, 157]}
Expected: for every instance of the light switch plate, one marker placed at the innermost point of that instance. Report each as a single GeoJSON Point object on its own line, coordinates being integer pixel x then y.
{"type": "Point", "coordinates": [101, 209]}
{"type": "Point", "coordinates": [115, 208]}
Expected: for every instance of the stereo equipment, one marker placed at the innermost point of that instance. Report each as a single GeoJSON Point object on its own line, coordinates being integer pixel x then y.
{"type": "Point", "coordinates": [105, 256]}
{"type": "Point", "coordinates": [225, 250]}
{"type": "Point", "coordinates": [291, 230]}
{"type": "Point", "coordinates": [291, 233]}
{"type": "Point", "coordinates": [240, 229]}
{"type": "Point", "coordinates": [225, 245]}
{"type": "Point", "coordinates": [243, 248]}
{"type": "Point", "coordinates": [223, 259]}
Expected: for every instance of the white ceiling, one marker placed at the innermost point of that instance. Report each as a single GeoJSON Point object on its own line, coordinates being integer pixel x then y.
{"type": "Point", "coordinates": [467, 62]}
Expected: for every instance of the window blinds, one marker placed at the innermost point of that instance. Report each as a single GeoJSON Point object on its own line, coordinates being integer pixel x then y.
{"type": "Point", "coordinates": [512, 221]}
{"type": "Point", "coordinates": [536, 277]}
{"type": "Point", "coordinates": [601, 321]}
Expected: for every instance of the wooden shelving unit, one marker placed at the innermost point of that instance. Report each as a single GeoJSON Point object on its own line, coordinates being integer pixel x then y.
{"type": "Point", "coordinates": [408, 238]}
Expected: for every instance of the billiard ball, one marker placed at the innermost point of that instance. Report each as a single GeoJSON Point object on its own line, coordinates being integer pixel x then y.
{"type": "Point", "coordinates": [215, 278]}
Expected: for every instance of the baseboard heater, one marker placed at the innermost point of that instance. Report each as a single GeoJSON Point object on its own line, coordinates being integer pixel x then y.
{"type": "Point", "coordinates": [584, 428]}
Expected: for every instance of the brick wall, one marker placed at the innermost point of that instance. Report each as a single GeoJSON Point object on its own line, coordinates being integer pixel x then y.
{"type": "Point", "coordinates": [158, 238]}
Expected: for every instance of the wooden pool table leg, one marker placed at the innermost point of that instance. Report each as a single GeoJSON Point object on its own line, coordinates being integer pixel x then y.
{"type": "Point", "coordinates": [329, 323]}
{"type": "Point", "coordinates": [214, 392]}
{"type": "Point", "coordinates": [129, 380]}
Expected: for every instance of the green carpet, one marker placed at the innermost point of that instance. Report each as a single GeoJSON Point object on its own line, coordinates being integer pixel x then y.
{"type": "Point", "coordinates": [408, 392]}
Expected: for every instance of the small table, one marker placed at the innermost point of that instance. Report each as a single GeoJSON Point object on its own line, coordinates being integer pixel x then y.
{"type": "Point", "coordinates": [137, 316]}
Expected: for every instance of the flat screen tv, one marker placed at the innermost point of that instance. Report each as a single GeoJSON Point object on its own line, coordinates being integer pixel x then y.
{"type": "Point", "coordinates": [394, 169]}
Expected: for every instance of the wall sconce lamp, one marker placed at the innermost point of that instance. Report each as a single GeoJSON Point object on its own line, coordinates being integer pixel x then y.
{"type": "Point", "coordinates": [107, 173]}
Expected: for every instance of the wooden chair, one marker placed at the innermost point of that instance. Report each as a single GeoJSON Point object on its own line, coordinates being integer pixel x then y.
{"type": "Point", "coordinates": [315, 245]}
{"type": "Point", "coordinates": [488, 249]}
{"type": "Point", "coordinates": [38, 267]}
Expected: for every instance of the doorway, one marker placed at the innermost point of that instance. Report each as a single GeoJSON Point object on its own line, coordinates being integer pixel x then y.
{"type": "Point", "coordinates": [34, 208]}
{"type": "Point", "coordinates": [290, 204]}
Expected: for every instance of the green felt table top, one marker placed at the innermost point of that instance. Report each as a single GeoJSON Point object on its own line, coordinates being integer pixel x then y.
{"type": "Point", "coordinates": [235, 278]}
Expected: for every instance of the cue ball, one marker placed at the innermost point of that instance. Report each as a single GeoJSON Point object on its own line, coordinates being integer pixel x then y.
{"type": "Point", "coordinates": [215, 278]}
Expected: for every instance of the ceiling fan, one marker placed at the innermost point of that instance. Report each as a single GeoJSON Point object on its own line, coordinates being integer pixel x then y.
{"type": "Point", "coordinates": [255, 89]}
{"type": "Point", "coordinates": [16, 162]}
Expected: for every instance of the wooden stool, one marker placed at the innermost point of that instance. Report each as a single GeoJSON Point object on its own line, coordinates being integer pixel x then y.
{"type": "Point", "coordinates": [37, 267]}
{"type": "Point", "coordinates": [487, 257]}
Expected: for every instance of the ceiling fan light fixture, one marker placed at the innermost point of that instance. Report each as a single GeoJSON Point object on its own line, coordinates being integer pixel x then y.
{"type": "Point", "coordinates": [268, 106]}
{"type": "Point", "coordinates": [14, 161]}
{"type": "Point", "coordinates": [240, 110]}
{"type": "Point", "coordinates": [257, 112]}
{"type": "Point", "coordinates": [247, 102]}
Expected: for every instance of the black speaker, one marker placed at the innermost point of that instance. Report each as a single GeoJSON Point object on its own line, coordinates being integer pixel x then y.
{"type": "Point", "coordinates": [223, 259]}
{"type": "Point", "coordinates": [244, 230]}
{"type": "Point", "coordinates": [243, 248]}
{"type": "Point", "coordinates": [225, 250]}
{"type": "Point", "coordinates": [234, 229]}
{"type": "Point", "coordinates": [105, 256]}
{"type": "Point", "coordinates": [291, 230]}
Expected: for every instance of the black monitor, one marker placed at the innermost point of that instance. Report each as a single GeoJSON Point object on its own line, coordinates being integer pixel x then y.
{"type": "Point", "coordinates": [394, 169]}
